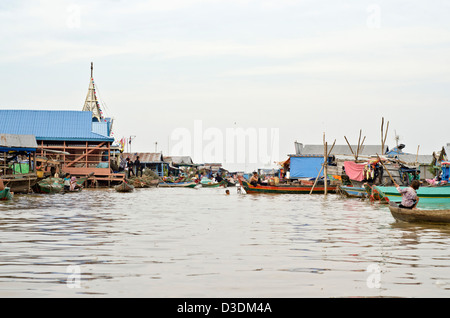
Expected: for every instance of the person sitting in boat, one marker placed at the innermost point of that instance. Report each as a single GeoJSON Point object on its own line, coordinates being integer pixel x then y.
{"type": "Point", "coordinates": [409, 195]}
{"type": "Point", "coordinates": [255, 180]}
{"type": "Point", "coordinates": [73, 183]}
{"type": "Point", "coordinates": [67, 182]}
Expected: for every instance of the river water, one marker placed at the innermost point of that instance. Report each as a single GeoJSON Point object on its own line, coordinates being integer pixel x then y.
{"type": "Point", "coordinates": [166, 242]}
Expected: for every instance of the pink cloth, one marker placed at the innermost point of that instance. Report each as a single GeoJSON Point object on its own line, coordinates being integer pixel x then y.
{"type": "Point", "coordinates": [355, 171]}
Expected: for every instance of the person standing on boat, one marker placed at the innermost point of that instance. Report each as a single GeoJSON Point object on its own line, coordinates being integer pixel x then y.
{"type": "Point", "coordinates": [409, 195]}
{"type": "Point", "coordinates": [130, 167]}
{"type": "Point", "coordinates": [137, 164]}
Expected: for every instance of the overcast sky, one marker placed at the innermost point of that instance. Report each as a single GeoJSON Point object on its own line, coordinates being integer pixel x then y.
{"type": "Point", "coordinates": [304, 67]}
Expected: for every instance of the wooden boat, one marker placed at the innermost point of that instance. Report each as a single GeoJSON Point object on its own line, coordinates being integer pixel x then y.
{"type": "Point", "coordinates": [6, 194]}
{"type": "Point", "coordinates": [352, 191]}
{"type": "Point", "coordinates": [143, 182]}
{"type": "Point", "coordinates": [188, 184]}
{"type": "Point", "coordinates": [20, 183]}
{"type": "Point", "coordinates": [419, 215]}
{"type": "Point", "coordinates": [49, 185]}
{"type": "Point", "coordinates": [56, 185]}
{"type": "Point", "coordinates": [426, 194]}
{"type": "Point", "coordinates": [214, 184]}
{"type": "Point", "coordinates": [124, 187]}
{"type": "Point", "coordinates": [282, 188]}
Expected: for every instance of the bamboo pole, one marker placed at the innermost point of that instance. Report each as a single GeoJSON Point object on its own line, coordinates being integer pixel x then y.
{"type": "Point", "coordinates": [315, 181]}
{"type": "Point", "coordinates": [385, 136]}
{"type": "Point", "coordinates": [382, 132]}
{"type": "Point", "coordinates": [325, 172]}
{"type": "Point", "coordinates": [320, 171]}
{"type": "Point", "coordinates": [417, 155]}
{"type": "Point", "coordinates": [359, 140]}
{"type": "Point", "coordinates": [350, 147]}
{"type": "Point", "coordinates": [386, 170]}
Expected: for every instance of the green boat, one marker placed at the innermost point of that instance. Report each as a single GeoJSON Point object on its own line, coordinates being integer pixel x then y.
{"type": "Point", "coordinates": [177, 184]}
{"type": "Point", "coordinates": [214, 184]}
{"type": "Point", "coordinates": [6, 194]}
{"type": "Point", "coordinates": [56, 185]}
{"type": "Point", "coordinates": [438, 194]}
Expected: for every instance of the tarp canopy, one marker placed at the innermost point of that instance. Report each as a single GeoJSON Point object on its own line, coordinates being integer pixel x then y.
{"type": "Point", "coordinates": [306, 167]}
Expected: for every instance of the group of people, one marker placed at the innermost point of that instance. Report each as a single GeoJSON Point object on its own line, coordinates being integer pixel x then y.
{"type": "Point", "coordinates": [70, 183]}
{"type": "Point", "coordinates": [133, 168]}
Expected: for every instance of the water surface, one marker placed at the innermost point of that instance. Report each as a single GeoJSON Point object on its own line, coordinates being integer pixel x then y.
{"type": "Point", "coordinates": [164, 242]}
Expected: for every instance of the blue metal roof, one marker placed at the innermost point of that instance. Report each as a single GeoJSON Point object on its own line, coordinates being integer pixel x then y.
{"type": "Point", "coordinates": [50, 124]}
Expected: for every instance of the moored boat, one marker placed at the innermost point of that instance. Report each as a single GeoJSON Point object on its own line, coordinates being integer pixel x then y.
{"type": "Point", "coordinates": [214, 184]}
{"type": "Point", "coordinates": [286, 188]}
{"type": "Point", "coordinates": [352, 191]}
{"type": "Point", "coordinates": [191, 184]}
{"type": "Point", "coordinates": [52, 185]}
{"type": "Point", "coordinates": [6, 194]}
{"type": "Point", "coordinates": [419, 215]}
{"type": "Point", "coordinates": [439, 194]}
{"type": "Point", "coordinates": [124, 187]}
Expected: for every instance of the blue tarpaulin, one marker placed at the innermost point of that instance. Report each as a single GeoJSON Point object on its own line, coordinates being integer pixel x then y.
{"type": "Point", "coordinates": [305, 167]}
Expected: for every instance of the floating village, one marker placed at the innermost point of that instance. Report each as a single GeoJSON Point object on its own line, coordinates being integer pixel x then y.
{"type": "Point", "coordinates": [39, 153]}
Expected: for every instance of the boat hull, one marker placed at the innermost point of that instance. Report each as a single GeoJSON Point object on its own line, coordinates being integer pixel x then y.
{"type": "Point", "coordinates": [286, 189]}
{"type": "Point", "coordinates": [6, 194]}
{"type": "Point", "coordinates": [20, 183]}
{"type": "Point", "coordinates": [353, 192]}
{"type": "Point", "coordinates": [419, 215]}
{"type": "Point", "coordinates": [124, 187]}
{"type": "Point", "coordinates": [177, 184]}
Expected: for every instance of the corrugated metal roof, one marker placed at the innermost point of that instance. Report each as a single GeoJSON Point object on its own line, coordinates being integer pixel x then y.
{"type": "Point", "coordinates": [18, 141]}
{"type": "Point", "coordinates": [144, 157]}
{"type": "Point", "coordinates": [366, 150]}
{"type": "Point", "coordinates": [179, 160]}
{"type": "Point", "coordinates": [50, 124]}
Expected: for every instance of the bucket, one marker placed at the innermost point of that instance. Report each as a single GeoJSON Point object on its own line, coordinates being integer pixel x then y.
{"type": "Point", "coordinates": [40, 174]}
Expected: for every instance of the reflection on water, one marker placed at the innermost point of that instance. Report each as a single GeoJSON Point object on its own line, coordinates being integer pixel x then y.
{"type": "Point", "coordinates": [203, 243]}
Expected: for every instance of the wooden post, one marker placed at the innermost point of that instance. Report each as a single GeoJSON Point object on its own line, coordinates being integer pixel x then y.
{"type": "Point", "coordinates": [325, 169]}
{"type": "Point", "coordinates": [350, 148]}
{"type": "Point", "coordinates": [383, 135]}
{"type": "Point", "coordinates": [417, 155]}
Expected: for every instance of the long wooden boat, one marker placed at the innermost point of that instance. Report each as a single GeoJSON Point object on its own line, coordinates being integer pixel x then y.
{"type": "Point", "coordinates": [419, 215]}
{"type": "Point", "coordinates": [432, 194]}
{"type": "Point", "coordinates": [124, 187]}
{"type": "Point", "coordinates": [49, 186]}
{"type": "Point", "coordinates": [222, 183]}
{"type": "Point", "coordinates": [352, 192]}
{"type": "Point", "coordinates": [190, 184]}
{"type": "Point", "coordinates": [283, 189]}
{"type": "Point", "coordinates": [6, 194]}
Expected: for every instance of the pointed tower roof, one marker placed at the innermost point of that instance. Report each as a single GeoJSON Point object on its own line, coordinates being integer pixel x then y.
{"type": "Point", "coordinates": [91, 103]}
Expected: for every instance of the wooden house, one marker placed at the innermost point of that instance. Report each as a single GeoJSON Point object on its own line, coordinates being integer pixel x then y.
{"type": "Point", "coordinates": [17, 162]}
